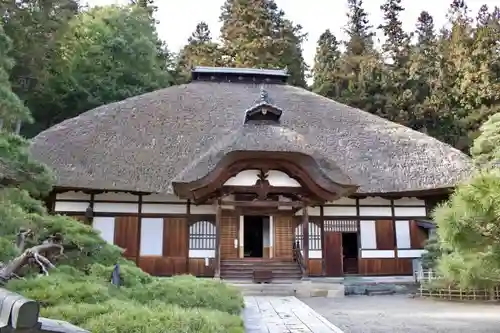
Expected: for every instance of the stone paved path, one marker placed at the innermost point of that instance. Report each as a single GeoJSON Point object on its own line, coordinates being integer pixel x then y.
{"type": "Point", "coordinates": [272, 314]}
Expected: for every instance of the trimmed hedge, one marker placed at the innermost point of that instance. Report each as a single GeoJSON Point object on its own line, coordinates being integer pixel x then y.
{"type": "Point", "coordinates": [183, 304]}
{"type": "Point", "coordinates": [129, 317]}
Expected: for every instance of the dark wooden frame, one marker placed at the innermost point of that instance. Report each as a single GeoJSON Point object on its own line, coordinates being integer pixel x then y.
{"type": "Point", "coordinates": [301, 167]}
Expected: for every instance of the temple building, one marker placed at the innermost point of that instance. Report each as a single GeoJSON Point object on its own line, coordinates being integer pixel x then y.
{"type": "Point", "coordinates": [237, 170]}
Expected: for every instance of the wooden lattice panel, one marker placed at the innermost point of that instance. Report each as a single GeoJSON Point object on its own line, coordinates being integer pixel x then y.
{"type": "Point", "coordinates": [341, 226]}
{"type": "Point", "coordinates": [229, 232]}
{"type": "Point", "coordinates": [283, 236]}
{"type": "Point", "coordinates": [202, 235]}
{"type": "Point", "coordinates": [314, 235]}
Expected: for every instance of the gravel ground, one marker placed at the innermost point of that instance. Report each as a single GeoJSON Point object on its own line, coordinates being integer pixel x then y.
{"type": "Point", "coordinates": [400, 314]}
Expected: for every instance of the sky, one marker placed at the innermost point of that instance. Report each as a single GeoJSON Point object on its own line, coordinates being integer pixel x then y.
{"type": "Point", "coordinates": [178, 18]}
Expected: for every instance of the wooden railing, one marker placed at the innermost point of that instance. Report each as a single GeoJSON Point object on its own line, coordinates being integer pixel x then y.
{"type": "Point", "coordinates": [298, 258]}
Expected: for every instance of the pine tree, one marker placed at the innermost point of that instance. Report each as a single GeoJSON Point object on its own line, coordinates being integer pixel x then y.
{"type": "Point", "coordinates": [396, 45]}
{"type": "Point", "coordinates": [12, 109]}
{"type": "Point", "coordinates": [486, 148]}
{"type": "Point", "coordinates": [255, 33]}
{"type": "Point", "coordinates": [327, 79]}
{"type": "Point", "coordinates": [424, 78]}
{"type": "Point", "coordinates": [361, 65]}
{"type": "Point", "coordinates": [16, 166]}
{"type": "Point", "coordinates": [483, 79]}
{"type": "Point", "coordinates": [146, 4]}
{"type": "Point", "coordinates": [200, 35]}
{"type": "Point", "coordinates": [461, 70]}
{"type": "Point", "coordinates": [200, 51]}
{"type": "Point", "coordinates": [396, 50]}
{"type": "Point", "coordinates": [358, 29]}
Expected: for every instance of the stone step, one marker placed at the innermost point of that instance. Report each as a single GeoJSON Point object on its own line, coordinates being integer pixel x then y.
{"type": "Point", "coordinates": [262, 264]}
{"type": "Point", "coordinates": [290, 288]}
{"type": "Point", "coordinates": [251, 269]}
{"type": "Point", "coordinates": [267, 289]}
{"type": "Point", "coordinates": [249, 275]}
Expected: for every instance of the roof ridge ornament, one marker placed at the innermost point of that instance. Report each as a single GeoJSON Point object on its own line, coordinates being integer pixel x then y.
{"type": "Point", "coordinates": [264, 96]}
{"type": "Point", "coordinates": [263, 110]}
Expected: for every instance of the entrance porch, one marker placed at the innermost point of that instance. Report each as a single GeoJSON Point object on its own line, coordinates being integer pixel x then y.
{"type": "Point", "coordinates": [258, 196]}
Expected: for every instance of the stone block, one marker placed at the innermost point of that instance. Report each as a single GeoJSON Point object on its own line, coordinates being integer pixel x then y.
{"type": "Point", "coordinates": [336, 293]}
{"type": "Point", "coordinates": [17, 311]}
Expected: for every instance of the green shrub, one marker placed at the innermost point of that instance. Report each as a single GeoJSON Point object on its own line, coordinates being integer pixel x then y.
{"type": "Point", "coordinates": [66, 285]}
{"type": "Point", "coordinates": [124, 317]}
{"type": "Point", "coordinates": [190, 292]}
{"type": "Point", "coordinates": [130, 275]}
{"type": "Point", "coordinates": [61, 288]}
{"type": "Point", "coordinates": [78, 314]}
{"type": "Point", "coordinates": [171, 318]}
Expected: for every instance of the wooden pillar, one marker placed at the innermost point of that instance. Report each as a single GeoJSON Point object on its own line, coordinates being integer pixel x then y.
{"type": "Point", "coordinates": [188, 221]}
{"type": "Point", "coordinates": [323, 249]}
{"type": "Point", "coordinates": [218, 216]}
{"type": "Point", "coordinates": [305, 240]}
{"type": "Point", "coordinates": [139, 227]}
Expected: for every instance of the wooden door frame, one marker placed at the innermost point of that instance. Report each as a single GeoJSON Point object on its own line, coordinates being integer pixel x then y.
{"type": "Point", "coordinates": [241, 236]}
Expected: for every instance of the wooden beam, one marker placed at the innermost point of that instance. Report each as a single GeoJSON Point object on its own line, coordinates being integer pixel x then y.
{"type": "Point", "coordinates": [218, 216]}
{"type": "Point", "coordinates": [323, 249]}
{"type": "Point", "coordinates": [305, 241]}
{"type": "Point", "coordinates": [231, 189]}
{"type": "Point", "coordinates": [263, 204]}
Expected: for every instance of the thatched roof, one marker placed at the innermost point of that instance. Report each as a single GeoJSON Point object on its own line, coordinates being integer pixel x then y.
{"type": "Point", "coordinates": [179, 133]}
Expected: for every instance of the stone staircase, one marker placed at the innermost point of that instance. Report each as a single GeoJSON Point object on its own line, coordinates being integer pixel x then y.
{"type": "Point", "coordinates": [242, 269]}
{"type": "Point", "coordinates": [296, 288]}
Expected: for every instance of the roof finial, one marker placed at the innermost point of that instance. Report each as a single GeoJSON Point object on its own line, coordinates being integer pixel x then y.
{"type": "Point", "coordinates": [263, 109]}
{"type": "Point", "coordinates": [264, 96]}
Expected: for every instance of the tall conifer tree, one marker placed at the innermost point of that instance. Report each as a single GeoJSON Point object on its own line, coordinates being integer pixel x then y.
{"type": "Point", "coordinates": [256, 33]}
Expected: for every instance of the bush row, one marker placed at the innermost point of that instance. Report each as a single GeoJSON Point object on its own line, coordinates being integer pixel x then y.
{"type": "Point", "coordinates": [142, 304]}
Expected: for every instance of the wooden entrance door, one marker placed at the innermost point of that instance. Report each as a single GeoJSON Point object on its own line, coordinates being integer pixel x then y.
{"type": "Point", "coordinates": [229, 233]}
{"type": "Point", "coordinates": [333, 253]}
{"type": "Point", "coordinates": [283, 237]}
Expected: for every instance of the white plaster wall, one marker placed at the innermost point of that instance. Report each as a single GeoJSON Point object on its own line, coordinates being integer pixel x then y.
{"type": "Point", "coordinates": [250, 177]}
{"type": "Point", "coordinates": [62, 206]}
{"type": "Point", "coordinates": [281, 179]}
{"type": "Point", "coordinates": [372, 254]}
{"type": "Point", "coordinates": [201, 253]}
{"type": "Point", "coordinates": [241, 235]}
{"type": "Point", "coordinates": [375, 211]}
{"type": "Point", "coordinates": [314, 254]}
{"type": "Point", "coordinates": [106, 228]}
{"type": "Point", "coordinates": [339, 211]}
{"type": "Point", "coordinates": [125, 203]}
{"type": "Point", "coordinates": [410, 211]}
{"type": "Point", "coordinates": [410, 253]}
{"type": "Point", "coordinates": [159, 208]}
{"type": "Point", "coordinates": [271, 232]}
{"type": "Point", "coordinates": [367, 233]}
{"type": "Point", "coordinates": [151, 237]}
{"type": "Point", "coordinates": [403, 240]}
{"type": "Point", "coordinates": [116, 207]}
{"type": "Point", "coordinates": [266, 241]}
